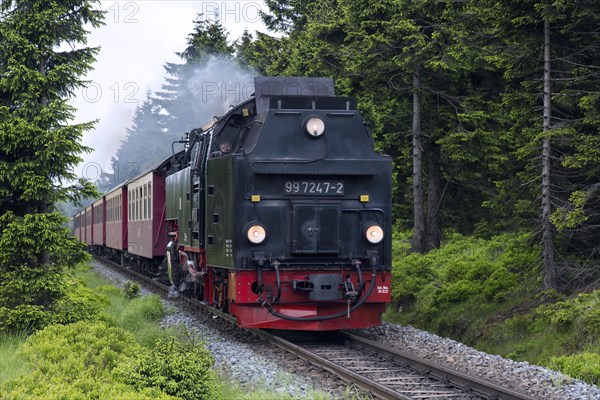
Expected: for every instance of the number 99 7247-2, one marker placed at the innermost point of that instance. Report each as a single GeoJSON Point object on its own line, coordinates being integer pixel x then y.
{"type": "Point", "coordinates": [314, 188]}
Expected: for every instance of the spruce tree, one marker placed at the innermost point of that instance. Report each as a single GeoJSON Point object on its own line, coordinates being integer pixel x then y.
{"type": "Point", "coordinates": [42, 61]}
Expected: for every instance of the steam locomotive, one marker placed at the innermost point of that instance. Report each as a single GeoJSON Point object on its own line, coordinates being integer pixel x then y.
{"type": "Point", "coordinates": [278, 212]}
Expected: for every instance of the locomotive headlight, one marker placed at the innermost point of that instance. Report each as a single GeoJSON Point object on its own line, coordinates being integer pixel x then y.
{"type": "Point", "coordinates": [256, 234]}
{"type": "Point", "coordinates": [314, 126]}
{"type": "Point", "coordinates": [374, 234]}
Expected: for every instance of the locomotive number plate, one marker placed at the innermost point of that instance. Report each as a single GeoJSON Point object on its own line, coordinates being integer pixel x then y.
{"type": "Point", "coordinates": [314, 188]}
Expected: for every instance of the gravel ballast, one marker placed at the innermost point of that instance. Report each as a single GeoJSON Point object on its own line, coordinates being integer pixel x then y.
{"type": "Point", "coordinates": [538, 382]}
{"type": "Point", "coordinates": [252, 363]}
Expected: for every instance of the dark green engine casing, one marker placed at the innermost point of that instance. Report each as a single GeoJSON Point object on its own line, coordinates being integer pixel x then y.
{"type": "Point", "coordinates": [303, 231]}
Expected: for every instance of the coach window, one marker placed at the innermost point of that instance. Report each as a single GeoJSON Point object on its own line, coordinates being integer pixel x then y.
{"type": "Point", "coordinates": [145, 201]}
{"type": "Point", "coordinates": [129, 205]}
{"type": "Point", "coordinates": [131, 200]}
{"type": "Point", "coordinates": [140, 199]}
{"type": "Point", "coordinates": [150, 200]}
{"type": "Point", "coordinates": [137, 204]}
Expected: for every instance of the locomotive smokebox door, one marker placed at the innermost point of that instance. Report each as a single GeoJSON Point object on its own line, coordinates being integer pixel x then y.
{"type": "Point", "coordinates": [316, 228]}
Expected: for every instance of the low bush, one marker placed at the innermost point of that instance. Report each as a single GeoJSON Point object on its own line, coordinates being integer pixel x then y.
{"type": "Point", "coordinates": [464, 269]}
{"type": "Point", "coordinates": [177, 368]}
{"type": "Point", "coordinates": [76, 361]}
{"type": "Point", "coordinates": [583, 310]}
{"type": "Point", "coordinates": [132, 290]}
{"type": "Point", "coordinates": [79, 304]}
{"type": "Point", "coordinates": [141, 316]}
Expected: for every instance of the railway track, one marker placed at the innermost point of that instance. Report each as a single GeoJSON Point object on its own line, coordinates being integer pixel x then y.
{"type": "Point", "coordinates": [385, 372]}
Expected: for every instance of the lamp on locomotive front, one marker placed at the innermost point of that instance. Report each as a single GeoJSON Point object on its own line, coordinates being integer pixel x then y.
{"type": "Point", "coordinates": [314, 126]}
{"type": "Point", "coordinates": [374, 234]}
{"type": "Point", "coordinates": [256, 234]}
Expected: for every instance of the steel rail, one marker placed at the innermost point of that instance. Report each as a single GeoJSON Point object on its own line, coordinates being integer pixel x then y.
{"type": "Point", "coordinates": [440, 372]}
{"type": "Point", "coordinates": [347, 375]}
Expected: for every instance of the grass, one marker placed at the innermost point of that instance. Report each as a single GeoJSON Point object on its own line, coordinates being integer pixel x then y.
{"type": "Point", "coordinates": [140, 315]}
{"type": "Point", "coordinates": [259, 391]}
{"type": "Point", "coordinates": [11, 364]}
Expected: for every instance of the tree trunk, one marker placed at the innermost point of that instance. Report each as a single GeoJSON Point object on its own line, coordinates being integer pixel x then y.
{"type": "Point", "coordinates": [43, 206]}
{"type": "Point", "coordinates": [550, 268]}
{"type": "Point", "coordinates": [417, 175]}
{"type": "Point", "coordinates": [433, 236]}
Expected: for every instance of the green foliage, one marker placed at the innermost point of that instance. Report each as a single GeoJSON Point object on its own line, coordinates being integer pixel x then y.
{"type": "Point", "coordinates": [79, 348]}
{"type": "Point", "coordinates": [561, 334]}
{"type": "Point", "coordinates": [35, 293]}
{"type": "Point", "coordinates": [176, 368]}
{"type": "Point", "coordinates": [463, 269]}
{"type": "Point", "coordinates": [141, 308]}
{"type": "Point", "coordinates": [75, 361]}
{"type": "Point", "coordinates": [80, 304]}
{"type": "Point", "coordinates": [410, 275]}
{"type": "Point", "coordinates": [583, 310]}
{"type": "Point", "coordinates": [132, 290]}
{"type": "Point", "coordinates": [573, 215]}
{"type": "Point", "coordinates": [455, 289]}
{"type": "Point", "coordinates": [139, 315]}
{"type": "Point", "coordinates": [24, 317]}
{"type": "Point", "coordinates": [39, 150]}
{"type": "Point", "coordinates": [499, 284]}
{"type": "Point", "coordinates": [584, 366]}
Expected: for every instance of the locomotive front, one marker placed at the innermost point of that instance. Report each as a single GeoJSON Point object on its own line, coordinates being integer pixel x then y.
{"type": "Point", "coordinates": [297, 210]}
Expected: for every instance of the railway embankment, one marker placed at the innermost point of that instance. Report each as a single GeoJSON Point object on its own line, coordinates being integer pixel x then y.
{"type": "Point", "coordinates": [487, 293]}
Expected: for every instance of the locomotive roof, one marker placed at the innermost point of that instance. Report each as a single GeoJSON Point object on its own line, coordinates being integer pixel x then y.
{"type": "Point", "coordinates": [269, 86]}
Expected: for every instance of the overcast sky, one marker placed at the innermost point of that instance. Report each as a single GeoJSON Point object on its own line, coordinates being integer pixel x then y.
{"type": "Point", "coordinates": [138, 39]}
